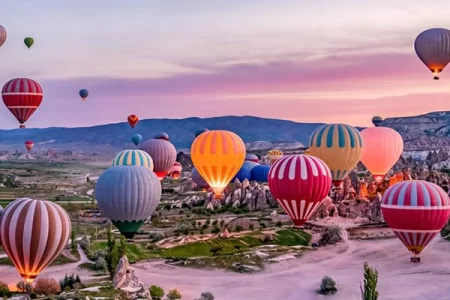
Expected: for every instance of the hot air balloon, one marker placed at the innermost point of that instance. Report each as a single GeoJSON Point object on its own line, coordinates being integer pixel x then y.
{"type": "Point", "coordinates": [133, 158]}
{"type": "Point", "coordinates": [433, 48]}
{"type": "Point", "coordinates": [132, 120]}
{"type": "Point", "coordinates": [299, 183]}
{"type": "Point", "coordinates": [29, 145]}
{"type": "Point", "coordinates": [307, 152]}
{"type": "Point", "coordinates": [383, 147]}
{"type": "Point", "coordinates": [175, 171]}
{"type": "Point", "coordinates": [163, 153]}
{"type": "Point", "coordinates": [252, 157]}
{"type": "Point", "coordinates": [377, 120]}
{"type": "Point", "coordinates": [198, 132]}
{"type": "Point", "coordinates": [128, 196]}
{"type": "Point", "coordinates": [260, 173]}
{"type": "Point", "coordinates": [136, 138]}
{"type": "Point", "coordinates": [275, 155]}
{"type": "Point", "coordinates": [242, 174]}
{"type": "Point", "coordinates": [218, 155]}
{"type": "Point", "coordinates": [28, 41]}
{"type": "Point", "coordinates": [33, 233]}
{"type": "Point", "coordinates": [84, 93]}
{"type": "Point", "coordinates": [162, 136]}
{"type": "Point", "coordinates": [3, 35]}
{"type": "Point", "coordinates": [340, 146]}
{"type": "Point", "coordinates": [416, 211]}
{"type": "Point", "coordinates": [250, 164]}
{"type": "Point", "coordinates": [198, 179]}
{"type": "Point", "coordinates": [22, 96]}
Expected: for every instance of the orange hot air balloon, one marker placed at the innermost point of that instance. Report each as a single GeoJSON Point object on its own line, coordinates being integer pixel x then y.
{"type": "Point", "coordinates": [382, 149]}
{"type": "Point", "coordinates": [132, 120]}
{"type": "Point", "coordinates": [218, 155]}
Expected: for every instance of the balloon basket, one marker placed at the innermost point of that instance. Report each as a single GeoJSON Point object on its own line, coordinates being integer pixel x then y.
{"type": "Point", "coordinates": [436, 78]}
{"type": "Point", "coordinates": [415, 259]}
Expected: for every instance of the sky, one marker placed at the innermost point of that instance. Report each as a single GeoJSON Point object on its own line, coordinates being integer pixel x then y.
{"type": "Point", "coordinates": [301, 60]}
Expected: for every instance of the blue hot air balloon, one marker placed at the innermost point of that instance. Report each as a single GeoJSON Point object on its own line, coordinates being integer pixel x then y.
{"type": "Point", "coordinates": [377, 120]}
{"type": "Point", "coordinates": [250, 164]}
{"type": "Point", "coordinates": [242, 174]}
{"type": "Point", "coordinates": [162, 136]}
{"type": "Point", "coordinates": [133, 158]}
{"type": "Point", "coordinates": [136, 138]}
{"type": "Point", "coordinates": [198, 132]}
{"type": "Point", "coordinates": [198, 179]}
{"type": "Point", "coordinates": [84, 93]}
{"type": "Point", "coordinates": [260, 173]}
{"type": "Point", "coordinates": [128, 196]}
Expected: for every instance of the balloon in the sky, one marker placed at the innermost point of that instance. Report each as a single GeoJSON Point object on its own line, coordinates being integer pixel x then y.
{"type": "Point", "coordinates": [218, 155]}
{"type": "Point", "coordinates": [128, 196]}
{"type": "Point", "coordinates": [275, 155]}
{"type": "Point", "coordinates": [84, 93]}
{"type": "Point", "coordinates": [175, 171]}
{"type": "Point", "coordinates": [377, 120]}
{"type": "Point", "coordinates": [198, 132]}
{"type": "Point", "coordinates": [433, 48]}
{"type": "Point", "coordinates": [198, 179]}
{"type": "Point", "coordinates": [29, 41]}
{"type": "Point", "coordinates": [242, 174]}
{"type": "Point", "coordinates": [133, 158]}
{"type": "Point", "coordinates": [251, 157]}
{"type": "Point", "coordinates": [383, 147]}
{"type": "Point", "coordinates": [3, 35]}
{"type": "Point", "coordinates": [416, 211]}
{"type": "Point", "coordinates": [136, 138]}
{"type": "Point", "coordinates": [22, 96]}
{"type": "Point", "coordinates": [163, 153]}
{"type": "Point", "coordinates": [132, 120]}
{"type": "Point", "coordinates": [340, 146]}
{"type": "Point", "coordinates": [260, 173]}
{"type": "Point", "coordinates": [29, 145]}
{"type": "Point", "coordinates": [162, 136]}
{"type": "Point", "coordinates": [250, 164]}
{"type": "Point", "coordinates": [299, 183]}
{"type": "Point", "coordinates": [33, 233]}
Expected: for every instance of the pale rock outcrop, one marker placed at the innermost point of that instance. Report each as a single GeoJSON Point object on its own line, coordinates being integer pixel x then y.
{"type": "Point", "coordinates": [126, 280]}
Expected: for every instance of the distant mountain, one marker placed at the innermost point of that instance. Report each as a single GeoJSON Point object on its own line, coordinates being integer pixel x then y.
{"type": "Point", "coordinates": [181, 131]}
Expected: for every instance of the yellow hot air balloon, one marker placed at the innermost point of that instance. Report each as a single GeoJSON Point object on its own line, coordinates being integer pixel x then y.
{"type": "Point", "coordinates": [340, 146]}
{"type": "Point", "coordinates": [275, 155]}
{"type": "Point", "coordinates": [382, 149]}
{"type": "Point", "coordinates": [218, 155]}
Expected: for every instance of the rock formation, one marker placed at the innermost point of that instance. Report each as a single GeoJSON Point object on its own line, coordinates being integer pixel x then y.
{"type": "Point", "coordinates": [126, 280]}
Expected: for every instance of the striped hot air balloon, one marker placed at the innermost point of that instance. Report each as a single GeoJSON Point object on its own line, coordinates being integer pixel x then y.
{"type": "Point", "coordinates": [275, 155]}
{"type": "Point", "coordinates": [163, 154]}
{"type": "Point", "coordinates": [377, 120]}
{"type": "Point", "coordinates": [218, 155]}
{"type": "Point", "coordinates": [176, 169]}
{"type": "Point", "coordinates": [433, 49]}
{"type": "Point", "coordinates": [252, 157]}
{"type": "Point", "coordinates": [340, 146]}
{"type": "Point", "coordinates": [33, 233]}
{"type": "Point", "coordinates": [22, 96]}
{"type": "Point", "coordinates": [299, 183]}
{"type": "Point", "coordinates": [3, 35]}
{"type": "Point", "coordinates": [416, 211]}
{"type": "Point", "coordinates": [128, 196]}
{"type": "Point", "coordinates": [133, 158]}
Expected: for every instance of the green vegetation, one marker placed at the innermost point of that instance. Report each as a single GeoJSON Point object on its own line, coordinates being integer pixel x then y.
{"type": "Point", "coordinates": [369, 291]}
{"type": "Point", "coordinates": [327, 286]}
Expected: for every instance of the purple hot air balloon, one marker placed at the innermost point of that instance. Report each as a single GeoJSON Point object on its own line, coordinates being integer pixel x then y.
{"type": "Point", "coordinates": [163, 153]}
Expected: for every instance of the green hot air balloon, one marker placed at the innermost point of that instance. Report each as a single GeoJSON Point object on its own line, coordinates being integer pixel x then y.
{"type": "Point", "coordinates": [29, 41]}
{"type": "Point", "coordinates": [128, 196]}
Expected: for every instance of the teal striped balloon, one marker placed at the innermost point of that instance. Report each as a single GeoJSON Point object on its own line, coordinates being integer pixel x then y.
{"type": "Point", "coordinates": [133, 158]}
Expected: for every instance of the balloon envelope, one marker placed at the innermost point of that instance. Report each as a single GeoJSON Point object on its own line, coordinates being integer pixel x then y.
{"type": "Point", "coordinates": [162, 136]}
{"type": "Point", "coordinates": [275, 155]}
{"type": "Point", "coordinates": [163, 154]}
{"type": "Point", "coordinates": [132, 120]}
{"type": "Point", "coordinates": [416, 211]}
{"type": "Point", "coordinates": [340, 146]}
{"type": "Point", "coordinates": [383, 147]}
{"type": "Point", "coordinates": [198, 132]}
{"type": "Point", "coordinates": [250, 164]}
{"type": "Point", "coordinates": [84, 94]}
{"type": "Point", "coordinates": [433, 49]}
{"type": "Point", "coordinates": [29, 145]}
{"type": "Point", "coordinates": [176, 169]}
{"type": "Point", "coordinates": [33, 233]}
{"type": "Point", "coordinates": [3, 35]}
{"type": "Point", "coordinates": [136, 138]}
{"type": "Point", "coordinates": [252, 157]}
{"type": "Point", "coordinates": [260, 173]}
{"type": "Point", "coordinates": [242, 174]}
{"type": "Point", "coordinates": [218, 155]}
{"type": "Point", "coordinates": [128, 196]}
{"type": "Point", "coordinates": [198, 179]}
{"type": "Point", "coordinates": [299, 183]}
{"type": "Point", "coordinates": [133, 158]}
{"type": "Point", "coordinates": [376, 121]}
{"type": "Point", "coordinates": [28, 41]}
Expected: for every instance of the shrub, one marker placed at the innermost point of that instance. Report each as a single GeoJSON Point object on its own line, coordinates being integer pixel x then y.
{"type": "Point", "coordinates": [239, 228]}
{"type": "Point", "coordinates": [156, 292]}
{"type": "Point", "coordinates": [262, 225]}
{"type": "Point", "coordinates": [214, 223]}
{"type": "Point", "coordinates": [208, 221]}
{"type": "Point", "coordinates": [331, 236]}
{"type": "Point", "coordinates": [279, 224]}
{"type": "Point", "coordinates": [369, 291]}
{"type": "Point", "coordinates": [4, 290]}
{"type": "Point", "coordinates": [251, 226]}
{"type": "Point", "coordinates": [24, 287]}
{"type": "Point", "coordinates": [222, 222]}
{"type": "Point", "coordinates": [215, 230]}
{"type": "Point", "coordinates": [156, 236]}
{"type": "Point", "coordinates": [100, 264]}
{"type": "Point", "coordinates": [327, 287]}
{"type": "Point", "coordinates": [206, 296]}
{"type": "Point", "coordinates": [173, 295]}
{"type": "Point", "coordinates": [33, 295]}
{"type": "Point", "coordinates": [194, 223]}
{"type": "Point", "coordinates": [215, 250]}
{"type": "Point", "coordinates": [47, 286]}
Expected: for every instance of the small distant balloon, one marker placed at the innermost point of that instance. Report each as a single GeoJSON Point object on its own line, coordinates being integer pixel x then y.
{"type": "Point", "coordinates": [198, 132]}
{"type": "Point", "coordinates": [162, 136]}
{"type": "Point", "coordinates": [29, 145]}
{"type": "Point", "coordinates": [132, 120]}
{"type": "Point", "coordinates": [377, 120]}
{"type": "Point", "coordinates": [3, 35]}
{"type": "Point", "coordinates": [29, 41]}
{"type": "Point", "coordinates": [84, 93]}
{"type": "Point", "coordinates": [136, 138]}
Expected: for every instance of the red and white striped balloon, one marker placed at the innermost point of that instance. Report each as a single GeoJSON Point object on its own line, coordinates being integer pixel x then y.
{"type": "Point", "coordinates": [299, 183]}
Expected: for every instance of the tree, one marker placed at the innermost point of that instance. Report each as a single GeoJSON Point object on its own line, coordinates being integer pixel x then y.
{"type": "Point", "coordinates": [156, 292]}
{"type": "Point", "coordinates": [215, 250]}
{"type": "Point", "coordinates": [369, 291]}
{"type": "Point", "coordinates": [47, 286]}
{"type": "Point", "coordinates": [73, 243]}
{"type": "Point", "coordinates": [122, 249]}
{"type": "Point", "coordinates": [111, 256]}
{"type": "Point", "coordinates": [24, 287]}
{"type": "Point", "coordinates": [173, 295]}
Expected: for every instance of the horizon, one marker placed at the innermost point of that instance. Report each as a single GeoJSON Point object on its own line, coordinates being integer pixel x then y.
{"type": "Point", "coordinates": [169, 60]}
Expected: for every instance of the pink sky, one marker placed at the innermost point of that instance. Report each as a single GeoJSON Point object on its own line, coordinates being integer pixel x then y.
{"type": "Point", "coordinates": [307, 62]}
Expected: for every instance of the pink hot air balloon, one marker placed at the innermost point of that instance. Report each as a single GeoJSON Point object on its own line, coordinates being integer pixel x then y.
{"type": "Point", "coordinates": [3, 35]}
{"type": "Point", "coordinates": [299, 183]}
{"type": "Point", "coordinates": [175, 171]}
{"type": "Point", "coordinates": [416, 211]}
{"type": "Point", "coordinates": [163, 153]}
{"type": "Point", "coordinates": [382, 149]}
